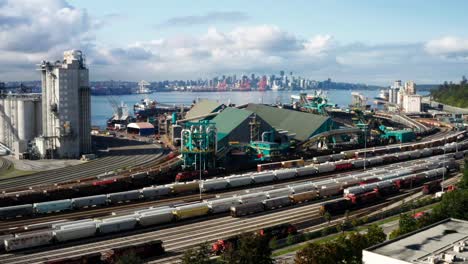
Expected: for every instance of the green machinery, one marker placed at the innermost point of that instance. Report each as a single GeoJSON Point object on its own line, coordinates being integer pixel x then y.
{"type": "Point", "coordinates": [394, 136]}
{"type": "Point", "coordinates": [199, 144]}
{"type": "Point", "coordinates": [315, 103]}
{"type": "Point", "coordinates": [268, 149]}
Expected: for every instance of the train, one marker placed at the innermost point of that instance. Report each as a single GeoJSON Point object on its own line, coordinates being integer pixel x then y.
{"type": "Point", "coordinates": [238, 205]}
{"type": "Point", "coordinates": [221, 184]}
{"type": "Point", "coordinates": [162, 174]}
{"type": "Point", "coordinates": [370, 193]}
{"type": "Point", "coordinates": [196, 174]}
{"type": "Point", "coordinates": [280, 231]}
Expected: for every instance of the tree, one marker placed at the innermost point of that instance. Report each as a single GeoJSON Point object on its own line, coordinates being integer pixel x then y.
{"type": "Point", "coordinates": [453, 204]}
{"type": "Point", "coordinates": [251, 249]}
{"type": "Point", "coordinates": [375, 235]}
{"type": "Point", "coordinates": [463, 184]}
{"type": "Point", "coordinates": [273, 243]}
{"type": "Point", "coordinates": [315, 253]}
{"type": "Point", "coordinates": [199, 255]}
{"type": "Point", "coordinates": [407, 224]}
{"type": "Point", "coordinates": [327, 217]}
{"type": "Point", "coordinates": [130, 258]}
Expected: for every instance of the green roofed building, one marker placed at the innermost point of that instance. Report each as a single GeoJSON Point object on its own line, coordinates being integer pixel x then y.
{"type": "Point", "coordinates": [203, 107]}
{"type": "Point", "coordinates": [300, 125]}
{"type": "Point", "coordinates": [233, 125]}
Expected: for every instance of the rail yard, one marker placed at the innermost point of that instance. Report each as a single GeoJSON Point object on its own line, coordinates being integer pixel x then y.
{"type": "Point", "coordinates": [217, 171]}
{"type": "Point", "coordinates": [293, 192]}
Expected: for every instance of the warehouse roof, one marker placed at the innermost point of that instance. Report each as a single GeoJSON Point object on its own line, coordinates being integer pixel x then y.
{"type": "Point", "coordinates": [229, 119]}
{"type": "Point", "coordinates": [304, 125]}
{"type": "Point", "coordinates": [432, 241]}
{"type": "Point", "coordinates": [203, 107]}
{"type": "Point", "coordinates": [141, 125]}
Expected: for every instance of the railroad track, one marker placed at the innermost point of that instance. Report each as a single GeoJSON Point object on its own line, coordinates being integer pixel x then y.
{"type": "Point", "coordinates": [89, 169]}
{"type": "Point", "coordinates": [13, 225]}
{"type": "Point", "coordinates": [14, 184]}
{"type": "Point", "coordinates": [218, 227]}
{"type": "Point", "coordinates": [176, 237]}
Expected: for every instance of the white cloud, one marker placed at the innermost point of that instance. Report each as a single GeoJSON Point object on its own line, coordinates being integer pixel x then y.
{"type": "Point", "coordinates": [35, 30]}
{"type": "Point", "coordinates": [452, 47]}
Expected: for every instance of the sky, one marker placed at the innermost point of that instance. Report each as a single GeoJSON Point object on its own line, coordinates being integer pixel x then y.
{"type": "Point", "coordinates": [373, 42]}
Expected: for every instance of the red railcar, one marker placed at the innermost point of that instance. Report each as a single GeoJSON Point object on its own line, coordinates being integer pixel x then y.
{"type": "Point", "coordinates": [343, 166]}
{"type": "Point", "coordinates": [268, 166]}
{"type": "Point", "coordinates": [104, 182]}
{"type": "Point", "coordinates": [431, 187]}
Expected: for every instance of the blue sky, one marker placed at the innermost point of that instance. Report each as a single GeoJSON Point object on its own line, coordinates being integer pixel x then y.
{"type": "Point", "coordinates": [371, 42]}
{"type": "Point", "coordinates": [374, 21]}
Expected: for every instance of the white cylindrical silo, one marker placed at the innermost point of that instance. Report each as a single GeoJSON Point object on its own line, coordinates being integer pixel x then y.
{"type": "Point", "coordinates": [25, 119]}
{"type": "Point", "coordinates": [38, 118]}
{"type": "Point", "coordinates": [7, 122]}
{"type": "Point", "coordinates": [2, 120]}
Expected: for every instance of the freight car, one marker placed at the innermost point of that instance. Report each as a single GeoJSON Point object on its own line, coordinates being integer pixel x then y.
{"type": "Point", "coordinates": [247, 209]}
{"type": "Point", "coordinates": [431, 187]}
{"type": "Point", "coordinates": [324, 188]}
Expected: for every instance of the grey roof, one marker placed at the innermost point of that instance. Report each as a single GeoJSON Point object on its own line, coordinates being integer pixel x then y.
{"type": "Point", "coordinates": [203, 107]}
{"type": "Point", "coordinates": [418, 246]}
{"type": "Point", "coordinates": [303, 125]}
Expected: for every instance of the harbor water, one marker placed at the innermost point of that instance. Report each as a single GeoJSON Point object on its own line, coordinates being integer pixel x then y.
{"type": "Point", "coordinates": [102, 109]}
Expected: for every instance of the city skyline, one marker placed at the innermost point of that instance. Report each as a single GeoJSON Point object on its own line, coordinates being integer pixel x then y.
{"type": "Point", "coordinates": [360, 42]}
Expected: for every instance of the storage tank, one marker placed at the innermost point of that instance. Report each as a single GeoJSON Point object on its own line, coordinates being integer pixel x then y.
{"type": "Point", "coordinates": [26, 126]}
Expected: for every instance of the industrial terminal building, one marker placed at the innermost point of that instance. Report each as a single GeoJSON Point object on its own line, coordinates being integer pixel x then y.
{"type": "Point", "coordinates": [443, 242]}
{"type": "Point", "coordinates": [269, 131]}
{"type": "Point", "coordinates": [57, 123]}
